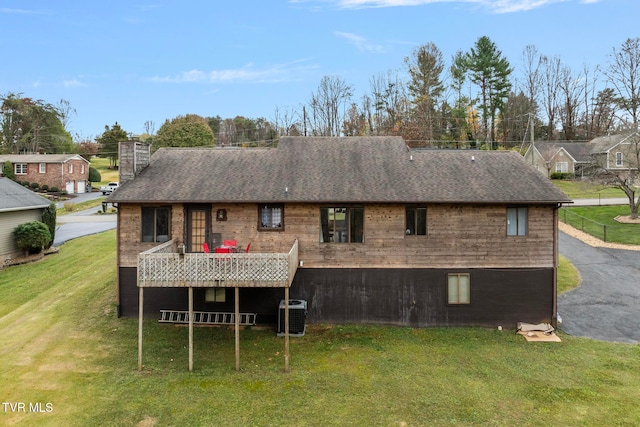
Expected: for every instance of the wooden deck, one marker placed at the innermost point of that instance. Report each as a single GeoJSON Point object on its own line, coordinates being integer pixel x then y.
{"type": "Point", "coordinates": [163, 266]}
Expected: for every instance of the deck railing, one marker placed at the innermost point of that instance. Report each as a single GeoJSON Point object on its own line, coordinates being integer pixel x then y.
{"type": "Point", "coordinates": [163, 266]}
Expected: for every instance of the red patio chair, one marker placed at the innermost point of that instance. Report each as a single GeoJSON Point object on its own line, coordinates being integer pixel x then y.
{"type": "Point", "coordinates": [205, 247]}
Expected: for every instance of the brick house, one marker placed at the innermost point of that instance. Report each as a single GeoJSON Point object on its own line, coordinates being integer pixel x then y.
{"type": "Point", "coordinates": [364, 229]}
{"type": "Point", "coordinates": [69, 172]}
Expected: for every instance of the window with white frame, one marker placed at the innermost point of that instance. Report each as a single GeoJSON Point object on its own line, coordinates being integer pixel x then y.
{"type": "Point", "coordinates": [619, 159]}
{"type": "Point", "coordinates": [70, 167]}
{"type": "Point", "coordinates": [459, 288]}
{"type": "Point", "coordinates": [517, 218]}
{"type": "Point", "coordinates": [271, 217]}
{"type": "Point", "coordinates": [562, 167]}
{"type": "Point", "coordinates": [42, 168]}
{"type": "Point", "coordinates": [20, 169]}
{"type": "Point", "coordinates": [82, 168]}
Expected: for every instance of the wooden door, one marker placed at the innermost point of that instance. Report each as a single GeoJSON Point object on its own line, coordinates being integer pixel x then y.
{"type": "Point", "coordinates": [198, 227]}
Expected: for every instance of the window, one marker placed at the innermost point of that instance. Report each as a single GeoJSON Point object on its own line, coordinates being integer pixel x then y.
{"type": "Point", "coordinates": [82, 168]}
{"type": "Point", "coordinates": [619, 159]}
{"type": "Point", "coordinates": [155, 224]}
{"type": "Point", "coordinates": [459, 288]}
{"type": "Point", "coordinates": [271, 217]}
{"type": "Point", "coordinates": [20, 169]}
{"type": "Point", "coordinates": [342, 225]}
{"type": "Point", "coordinates": [562, 167]}
{"type": "Point", "coordinates": [416, 221]}
{"type": "Point", "coordinates": [517, 221]}
{"type": "Point", "coordinates": [70, 167]}
{"type": "Point", "coordinates": [215, 295]}
{"type": "Point", "coordinates": [42, 168]}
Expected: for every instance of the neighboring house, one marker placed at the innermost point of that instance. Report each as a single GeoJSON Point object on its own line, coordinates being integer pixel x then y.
{"type": "Point", "coordinates": [18, 205]}
{"type": "Point", "coordinates": [616, 152]}
{"type": "Point", "coordinates": [560, 156]}
{"type": "Point", "coordinates": [364, 229]}
{"type": "Point", "coordinates": [68, 172]}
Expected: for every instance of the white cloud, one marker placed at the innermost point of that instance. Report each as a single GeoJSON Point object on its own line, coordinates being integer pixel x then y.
{"type": "Point", "coordinates": [73, 83]}
{"type": "Point", "coordinates": [248, 73]}
{"type": "Point", "coordinates": [361, 43]}
{"type": "Point", "coordinates": [21, 11]}
{"type": "Point", "coordinates": [495, 6]}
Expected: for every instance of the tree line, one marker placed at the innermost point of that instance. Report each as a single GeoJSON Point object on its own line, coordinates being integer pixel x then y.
{"type": "Point", "coordinates": [476, 99]}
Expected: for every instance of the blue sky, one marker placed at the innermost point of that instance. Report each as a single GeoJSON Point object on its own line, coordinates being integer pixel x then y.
{"type": "Point", "coordinates": [133, 62]}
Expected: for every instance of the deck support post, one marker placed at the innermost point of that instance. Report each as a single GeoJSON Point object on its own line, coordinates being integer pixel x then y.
{"type": "Point", "coordinates": [286, 330]}
{"type": "Point", "coordinates": [190, 328]}
{"type": "Point", "coordinates": [237, 326]}
{"type": "Point", "coordinates": [140, 308]}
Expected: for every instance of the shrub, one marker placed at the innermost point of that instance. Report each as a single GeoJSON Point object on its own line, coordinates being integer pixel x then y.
{"type": "Point", "coordinates": [49, 219]}
{"type": "Point", "coordinates": [32, 237]}
{"type": "Point", "coordinates": [55, 190]}
{"type": "Point", "coordinates": [44, 187]}
{"type": "Point", "coordinates": [94, 175]}
{"type": "Point", "coordinates": [7, 170]}
{"type": "Point", "coordinates": [69, 207]}
{"type": "Point", "coordinates": [560, 175]}
{"type": "Point", "coordinates": [34, 186]}
{"type": "Point", "coordinates": [25, 184]}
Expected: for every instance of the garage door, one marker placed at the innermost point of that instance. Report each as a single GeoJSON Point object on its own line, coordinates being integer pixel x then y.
{"type": "Point", "coordinates": [82, 188]}
{"type": "Point", "coordinates": [69, 187]}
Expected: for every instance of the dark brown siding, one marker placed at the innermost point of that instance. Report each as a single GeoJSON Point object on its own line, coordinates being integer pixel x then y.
{"type": "Point", "coordinates": [406, 297]}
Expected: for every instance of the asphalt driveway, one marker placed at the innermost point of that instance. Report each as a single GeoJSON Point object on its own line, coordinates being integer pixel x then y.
{"type": "Point", "coordinates": [606, 306]}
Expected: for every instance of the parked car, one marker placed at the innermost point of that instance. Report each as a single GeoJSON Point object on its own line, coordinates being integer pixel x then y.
{"type": "Point", "coordinates": [109, 188]}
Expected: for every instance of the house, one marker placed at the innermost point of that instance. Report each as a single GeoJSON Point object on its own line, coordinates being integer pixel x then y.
{"type": "Point", "coordinates": [364, 229]}
{"type": "Point", "coordinates": [18, 205]}
{"type": "Point", "coordinates": [68, 172]}
{"type": "Point", "coordinates": [618, 152]}
{"type": "Point", "coordinates": [560, 156]}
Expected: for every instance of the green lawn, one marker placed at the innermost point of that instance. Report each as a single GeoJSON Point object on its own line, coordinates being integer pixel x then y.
{"type": "Point", "coordinates": [599, 216]}
{"type": "Point", "coordinates": [107, 175]}
{"type": "Point", "coordinates": [587, 190]}
{"type": "Point", "coordinates": [63, 347]}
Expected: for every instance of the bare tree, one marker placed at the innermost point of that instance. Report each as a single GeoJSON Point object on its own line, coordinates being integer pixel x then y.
{"type": "Point", "coordinates": [285, 121]}
{"type": "Point", "coordinates": [623, 72]}
{"type": "Point", "coordinates": [550, 91]}
{"type": "Point", "coordinates": [389, 102]}
{"type": "Point", "coordinates": [571, 91]}
{"type": "Point", "coordinates": [626, 173]}
{"type": "Point", "coordinates": [532, 79]}
{"type": "Point", "coordinates": [328, 106]}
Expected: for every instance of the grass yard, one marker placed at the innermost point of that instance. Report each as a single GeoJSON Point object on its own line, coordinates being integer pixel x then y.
{"type": "Point", "coordinates": [587, 190]}
{"type": "Point", "coordinates": [107, 175]}
{"type": "Point", "coordinates": [64, 348]}
{"type": "Point", "coordinates": [603, 215]}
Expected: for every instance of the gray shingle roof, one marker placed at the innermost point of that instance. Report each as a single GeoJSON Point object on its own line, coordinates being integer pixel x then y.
{"type": "Point", "coordinates": [14, 197]}
{"type": "Point", "coordinates": [39, 158]}
{"type": "Point", "coordinates": [354, 169]}
{"type": "Point", "coordinates": [580, 151]}
{"type": "Point", "coordinates": [603, 144]}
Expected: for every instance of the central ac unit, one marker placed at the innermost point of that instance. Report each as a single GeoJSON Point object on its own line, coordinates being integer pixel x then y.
{"type": "Point", "coordinates": [297, 317]}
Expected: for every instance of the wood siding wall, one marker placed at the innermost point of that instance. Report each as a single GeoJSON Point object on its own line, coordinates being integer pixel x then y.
{"type": "Point", "coordinates": [406, 297]}
{"type": "Point", "coordinates": [458, 236]}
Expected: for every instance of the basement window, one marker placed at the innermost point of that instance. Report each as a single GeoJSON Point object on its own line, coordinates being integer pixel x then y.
{"type": "Point", "coordinates": [215, 295]}
{"type": "Point", "coordinates": [459, 288]}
